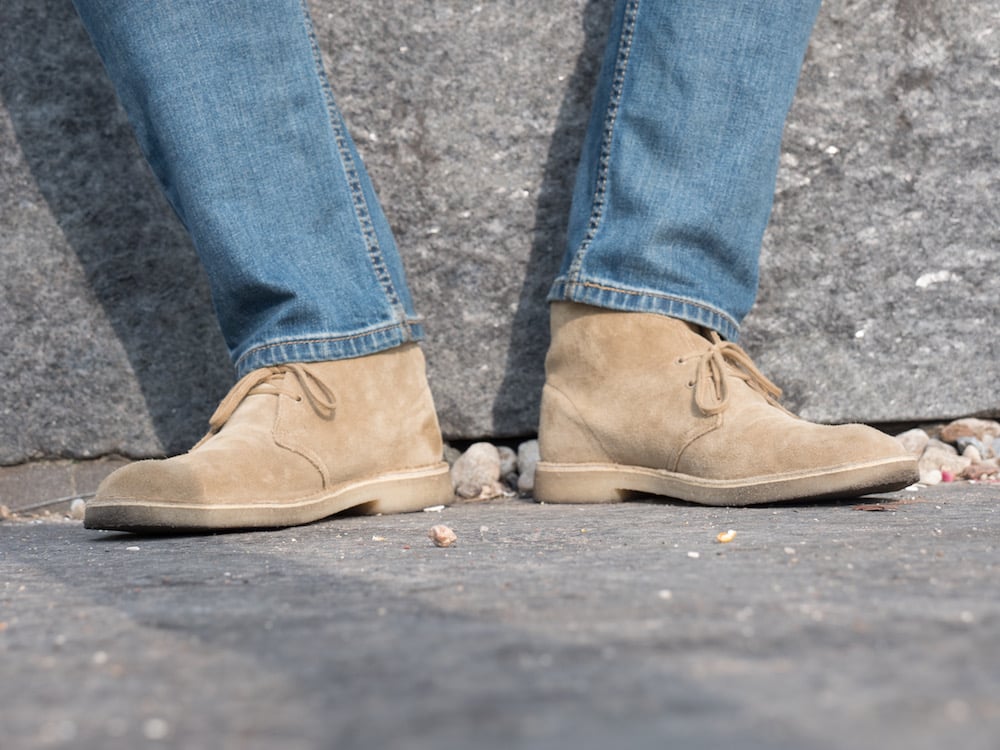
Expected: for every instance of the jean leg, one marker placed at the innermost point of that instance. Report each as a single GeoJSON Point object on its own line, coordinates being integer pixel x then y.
{"type": "Point", "coordinates": [235, 115]}
{"type": "Point", "coordinates": [676, 182]}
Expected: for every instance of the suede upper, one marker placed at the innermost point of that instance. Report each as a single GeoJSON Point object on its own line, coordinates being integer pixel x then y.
{"type": "Point", "coordinates": [641, 389]}
{"type": "Point", "coordinates": [293, 435]}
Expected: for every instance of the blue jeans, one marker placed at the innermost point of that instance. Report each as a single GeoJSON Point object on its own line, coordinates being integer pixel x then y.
{"type": "Point", "coordinates": [233, 110]}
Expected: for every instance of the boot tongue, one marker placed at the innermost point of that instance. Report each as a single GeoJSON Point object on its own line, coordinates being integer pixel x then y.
{"type": "Point", "coordinates": [319, 394]}
{"type": "Point", "coordinates": [698, 330]}
{"type": "Point", "coordinates": [243, 388]}
{"type": "Point", "coordinates": [722, 360]}
{"type": "Point", "coordinates": [700, 335]}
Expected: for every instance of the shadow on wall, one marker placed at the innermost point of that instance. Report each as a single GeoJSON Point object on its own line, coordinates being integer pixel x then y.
{"type": "Point", "coordinates": [135, 255]}
{"type": "Point", "coordinates": [520, 391]}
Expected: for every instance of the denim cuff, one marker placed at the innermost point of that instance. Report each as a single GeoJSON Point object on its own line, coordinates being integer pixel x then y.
{"type": "Point", "coordinates": [632, 300]}
{"type": "Point", "coordinates": [322, 348]}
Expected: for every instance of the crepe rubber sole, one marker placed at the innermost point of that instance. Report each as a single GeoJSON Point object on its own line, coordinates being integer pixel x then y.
{"type": "Point", "coordinates": [396, 492]}
{"type": "Point", "coordinates": [609, 483]}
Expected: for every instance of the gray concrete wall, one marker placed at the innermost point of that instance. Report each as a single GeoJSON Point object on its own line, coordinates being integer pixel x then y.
{"type": "Point", "coordinates": [880, 292]}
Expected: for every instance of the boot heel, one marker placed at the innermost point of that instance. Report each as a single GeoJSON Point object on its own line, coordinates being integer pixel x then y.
{"type": "Point", "coordinates": [410, 493]}
{"type": "Point", "coordinates": [562, 483]}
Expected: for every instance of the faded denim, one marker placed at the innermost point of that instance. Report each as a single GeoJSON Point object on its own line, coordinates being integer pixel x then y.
{"type": "Point", "coordinates": [234, 112]}
{"type": "Point", "coordinates": [232, 108]}
{"type": "Point", "coordinates": [676, 181]}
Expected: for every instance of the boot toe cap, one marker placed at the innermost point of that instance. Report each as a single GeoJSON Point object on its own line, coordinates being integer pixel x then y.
{"type": "Point", "coordinates": [150, 481]}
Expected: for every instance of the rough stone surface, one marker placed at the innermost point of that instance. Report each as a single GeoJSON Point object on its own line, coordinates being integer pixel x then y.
{"type": "Point", "coordinates": [52, 484]}
{"type": "Point", "coordinates": [549, 627]}
{"type": "Point", "coordinates": [109, 341]}
{"type": "Point", "coordinates": [878, 270]}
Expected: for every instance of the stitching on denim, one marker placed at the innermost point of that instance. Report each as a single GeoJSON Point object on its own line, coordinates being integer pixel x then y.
{"type": "Point", "coordinates": [406, 325]}
{"type": "Point", "coordinates": [669, 297]}
{"type": "Point", "coordinates": [339, 128]}
{"type": "Point", "coordinates": [610, 119]}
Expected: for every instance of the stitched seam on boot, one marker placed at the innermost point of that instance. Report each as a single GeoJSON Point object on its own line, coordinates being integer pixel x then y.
{"type": "Point", "coordinates": [689, 439]}
{"type": "Point", "coordinates": [307, 454]}
{"type": "Point", "coordinates": [582, 422]}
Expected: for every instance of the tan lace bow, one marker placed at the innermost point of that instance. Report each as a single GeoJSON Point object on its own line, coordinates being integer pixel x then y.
{"type": "Point", "coordinates": [722, 358]}
{"type": "Point", "coordinates": [261, 381]}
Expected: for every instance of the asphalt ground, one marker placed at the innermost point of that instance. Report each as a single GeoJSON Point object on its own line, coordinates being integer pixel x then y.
{"type": "Point", "coordinates": [868, 624]}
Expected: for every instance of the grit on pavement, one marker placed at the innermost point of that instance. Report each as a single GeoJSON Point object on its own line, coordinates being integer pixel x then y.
{"type": "Point", "coordinates": [865, 624]}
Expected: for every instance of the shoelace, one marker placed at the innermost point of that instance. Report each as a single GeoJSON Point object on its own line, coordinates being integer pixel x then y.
{"type": "Point", "coordinates": [711, 391]}
{"type": "Point", "coordinates": [260, 381]}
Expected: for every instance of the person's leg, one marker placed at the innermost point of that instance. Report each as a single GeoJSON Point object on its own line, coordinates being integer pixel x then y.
{"type": "Point", "coordinates": [232, 109]}
{"type": "Point", "coordinates": [644, 389]}
{"type": "Point", "coordinates": [676, 180]}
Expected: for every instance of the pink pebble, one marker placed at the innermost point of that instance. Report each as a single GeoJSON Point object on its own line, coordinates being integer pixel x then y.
{"type": "Point", "coordinates": [947, 476]}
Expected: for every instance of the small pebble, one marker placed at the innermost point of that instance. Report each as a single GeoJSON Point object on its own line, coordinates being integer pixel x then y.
{"type": "Point", "coordinates": [508, 461]}
{"type": "Point", "coordinates": [527, 461]}
{"type": "Point", "coordinates": [476, 473]}
{"type": "Point", "coordinates": [451, 454]}
{"type": "Point", "coordinates": [726, 537]}
{"type": "Point", "coordinates": [985, 430]}
{"type": "Point", "coordinates": [77, 508]}
{"type": "Point", "coordinates": [155, 729]}
{"type": "Point", "coordinates": [434, 509]}
{"type": "Point", "coordinates": [131, 549]}
{"type": "Point", "coordinates": [943, 457]}
{"type": "Point", "coordinates": [442, 536]}
{"type": "Point", "coordinates": [931, 477]}
{"type": "Point", "coordinates": [694, 555]}
{"type": "Point", "coordinates": [973, 454]}
{"type": "Point", "coordinates": [940, 446]}
{"type": "Point", "coordinates": [964, 443]}
{"type": "Point", "coordinates": [981, 470]}
{"type": "Point", "coordinates": [914, 441]}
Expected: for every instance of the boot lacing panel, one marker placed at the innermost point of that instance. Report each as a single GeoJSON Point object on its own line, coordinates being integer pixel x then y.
{"type": "Point", "coordinates": [722, 358]}
{"type": "Point", "coordinates": [319, 394]}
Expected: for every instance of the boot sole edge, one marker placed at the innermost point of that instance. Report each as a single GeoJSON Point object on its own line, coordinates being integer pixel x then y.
{"type": "Point", "coordinates": [395, 492]}
{"type": "Point", "coordinates": [609, 483]}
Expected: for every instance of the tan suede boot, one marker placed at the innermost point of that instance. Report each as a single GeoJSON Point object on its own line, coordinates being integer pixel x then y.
{"type": "Point", "coordinates": [638, 403]}
{"type": "Point", "coordinates": [293, 444]}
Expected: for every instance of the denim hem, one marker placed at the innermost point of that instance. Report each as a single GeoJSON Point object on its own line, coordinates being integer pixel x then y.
{"type": "Point", "coordinates": [631, 300]}
{"type": "Point", "coordinates": [324, 348]}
